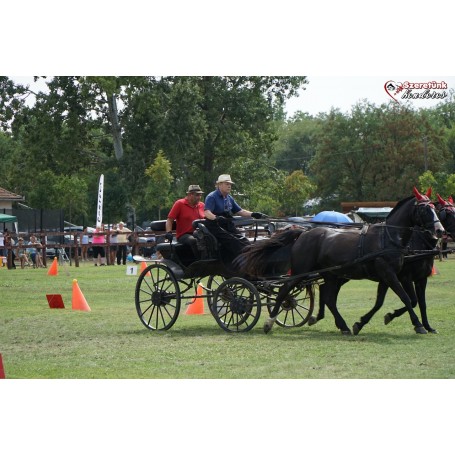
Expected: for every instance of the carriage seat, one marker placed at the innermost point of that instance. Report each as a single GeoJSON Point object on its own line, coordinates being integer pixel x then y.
{"type": "Point", "coordinates": [207, 243]}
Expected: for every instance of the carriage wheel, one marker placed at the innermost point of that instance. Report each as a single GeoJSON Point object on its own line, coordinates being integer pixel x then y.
{"type": "Point", "coordinates": [157, 297]}
{"type": "Point", "coordinates": [212, 284]}
{"type": "Point", "coordinates": [236, 305]}
{"type": "Point", "coordinates": [296, 309]}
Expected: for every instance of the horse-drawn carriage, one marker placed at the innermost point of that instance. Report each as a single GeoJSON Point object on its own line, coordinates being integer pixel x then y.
{"type": "Point", "coordinates": [325, 256]}
{"type": "Point", "coordinates": [234, 300]}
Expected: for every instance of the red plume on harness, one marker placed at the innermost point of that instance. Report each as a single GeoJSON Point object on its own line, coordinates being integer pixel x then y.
{"type": "Point", "coordinates": [441, 201]}
{"type": "Point", "coordinates": [450, 199]}
{"type": "Point", "coordinates": [421, 197]}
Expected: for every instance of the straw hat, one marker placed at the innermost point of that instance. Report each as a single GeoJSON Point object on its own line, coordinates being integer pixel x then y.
{"type": "Point", "coordinates": [194, 189]}
{"type": "Point", "coordinates": [224, 178]}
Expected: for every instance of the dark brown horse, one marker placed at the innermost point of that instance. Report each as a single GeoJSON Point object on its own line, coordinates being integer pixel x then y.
{"type": "Point", "coordinates": [339, 255]}
{"type": "Point", "coordinates": [415, 272]}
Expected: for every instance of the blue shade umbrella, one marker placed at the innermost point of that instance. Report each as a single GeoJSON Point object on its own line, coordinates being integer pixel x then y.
{"type": "Point", "coordinates": [331, 217]}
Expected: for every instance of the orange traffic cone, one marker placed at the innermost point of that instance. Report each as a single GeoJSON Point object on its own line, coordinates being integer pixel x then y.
{"type": "Point", "coordinates": [2, 370]}
{"type": "Point", "coordinates": [53, 270]}
{"type": "Point", "coordinates": [434, 271]}
{"type": "Point", "coordinates": [197, 305]}
{"type": "Point", "coordinates": [143, 267]}
{"type": "Point", "coordinates": [79, 302]}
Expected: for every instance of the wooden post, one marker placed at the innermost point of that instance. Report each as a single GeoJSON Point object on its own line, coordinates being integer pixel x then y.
{"type": "Point", "coordinates": [76, 249]}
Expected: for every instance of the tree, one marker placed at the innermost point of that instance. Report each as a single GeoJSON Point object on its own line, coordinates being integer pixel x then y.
{"type": "Point", "coordinates": [71, 196]}
{"type": "Point", "coordinates": [296, 144]}
{"type": "Point", "coordinates": [375, 153]}
{"type": "Point", "coordinates": [159, 183]}
{"type": "Point", "coordinates": [200, 121]}
{"type": "Point", "coordinates": [297, 189]}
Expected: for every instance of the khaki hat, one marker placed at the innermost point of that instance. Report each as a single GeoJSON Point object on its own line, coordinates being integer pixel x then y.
{"type": "Point", "coordinates": [194, 189]}
{"type": "Point", "coordinates": [224, 178]}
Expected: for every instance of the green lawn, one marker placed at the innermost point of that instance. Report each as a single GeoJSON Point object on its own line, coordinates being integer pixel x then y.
{"type": "Point", "coordinates": [111, 342]}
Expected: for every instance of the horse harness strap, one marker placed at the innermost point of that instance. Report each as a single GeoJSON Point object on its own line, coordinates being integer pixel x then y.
{"type": "Point", "coordinates": [362, 235]}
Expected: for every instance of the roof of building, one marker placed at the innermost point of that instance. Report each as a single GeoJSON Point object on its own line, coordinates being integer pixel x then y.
{"type": "Point", "coordinates": [6, 195]}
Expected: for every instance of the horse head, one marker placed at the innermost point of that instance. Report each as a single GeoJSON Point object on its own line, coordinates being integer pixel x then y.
{"type": "Point", "coordinates": [425, 214]}
{"type": "Point", "coordinates": [446, 213]}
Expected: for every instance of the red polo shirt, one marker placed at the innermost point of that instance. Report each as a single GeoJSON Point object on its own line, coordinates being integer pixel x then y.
{"type": "Point", "coordinates": [184, 215]}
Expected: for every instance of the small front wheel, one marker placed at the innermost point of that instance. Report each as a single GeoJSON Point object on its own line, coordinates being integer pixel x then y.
{"type": "Point", "coordinates": [157, 297]}
{"type": "Point", "coordinates": [236, 305]}
{"type": "Point", "coordinates": [297, 307]}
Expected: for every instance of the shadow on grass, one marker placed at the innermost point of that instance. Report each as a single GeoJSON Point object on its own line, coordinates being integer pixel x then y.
{"type": "Point", "coordinates": [281, 334]}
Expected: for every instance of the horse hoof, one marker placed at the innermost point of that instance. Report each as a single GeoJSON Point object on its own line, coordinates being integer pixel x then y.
{"type": "Point", "coordinates": [267, 328]}
{"type": "Point", "coordinates": [387, 318]}
{"type": "Point", "coordinates": [430, 330]}
{"type": "Point", "coordinates": [312, 320]}
{"type": "Point", "coordinates": [346, 332]}
{"type": "Point", "coordinates": [356, 328]}
{"type": "Point", "coordinates": [420, 330]}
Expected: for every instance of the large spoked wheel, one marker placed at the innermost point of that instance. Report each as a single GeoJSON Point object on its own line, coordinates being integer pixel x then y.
{"type": "Point", "coordinates": [296, 309]}
{"type": "Point", "coordinates": [236, 305]}
{"type": "Point", "coordinates": [213, 283]}
{"type": "Point", "coordinates": [157, 297]}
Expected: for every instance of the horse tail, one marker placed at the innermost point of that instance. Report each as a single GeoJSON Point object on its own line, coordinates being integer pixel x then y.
{"type": "Point", "coordinates": [253, 259]}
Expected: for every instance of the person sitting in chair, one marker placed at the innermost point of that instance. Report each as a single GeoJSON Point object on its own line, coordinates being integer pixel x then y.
{"type": "Point", "coordinates": [220, 207]}
{"type": "Point", "coordinates": [184, 212]}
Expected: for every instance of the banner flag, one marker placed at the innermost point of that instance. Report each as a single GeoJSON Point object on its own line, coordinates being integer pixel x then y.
{"type": "Point", "coordinates": [99, 210]}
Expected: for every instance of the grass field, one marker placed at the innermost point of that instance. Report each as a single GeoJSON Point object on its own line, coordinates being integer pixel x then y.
{"type": "Point", "coordinates": [111, 342]}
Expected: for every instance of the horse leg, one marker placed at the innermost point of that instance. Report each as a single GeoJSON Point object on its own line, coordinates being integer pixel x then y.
{"type": "Point", "coordinates": [282, 293]}
{"type": "Point", "coordinates": [325, 293]}
{"type": "Point", "coordinates": [409, 289]}
{"type": "Point", "coordinates": [421, 286]}
{"type": "Point", "coordinates": [391, 279]}
{"type": "Point", "coordinates": [333, 286]}
{"type": "Point", "coordinates": [321, 310]}
{"type": "Point", "coordinates": [365, 319]}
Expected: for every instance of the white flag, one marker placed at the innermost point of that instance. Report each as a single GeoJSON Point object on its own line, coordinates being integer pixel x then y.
{"type": "Point", "coordinates": [99, 209]}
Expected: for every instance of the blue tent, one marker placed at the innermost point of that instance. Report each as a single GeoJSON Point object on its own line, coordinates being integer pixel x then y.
{"type": "Point", "coordinates": [331, 217]}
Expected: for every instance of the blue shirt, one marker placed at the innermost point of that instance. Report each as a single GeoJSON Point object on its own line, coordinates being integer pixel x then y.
{"type": "Point", "coordinates": [219, 205]}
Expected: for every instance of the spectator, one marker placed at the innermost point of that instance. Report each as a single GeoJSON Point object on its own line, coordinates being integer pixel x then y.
{"type": "Point", "coordinates": [122, 241]}
{"type": "Point", "coordinates": [2, 243]}
{"type": "Point", "coordinates": [98, 243]}
{"type": "Point", "coordinates": [8, 248]}
{"type": "Point", "coordinates": [84, 244]}
{"type": "Point", "coordinates": [34, 250]}
{"type": "Point", "coordinates": [22, 252]}
{"type": "Point", "coordinates": [113, 244]}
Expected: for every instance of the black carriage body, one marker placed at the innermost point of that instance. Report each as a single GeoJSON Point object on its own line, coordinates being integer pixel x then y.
{"type": "Point", "coordinates": [233, 300]}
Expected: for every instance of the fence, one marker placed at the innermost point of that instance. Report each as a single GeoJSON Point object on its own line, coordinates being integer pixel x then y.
{"type": "Point", "coordinates": [66, 245]}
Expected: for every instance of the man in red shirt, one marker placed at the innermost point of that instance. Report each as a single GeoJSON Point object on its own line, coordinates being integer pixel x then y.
{"type": "Point", "coordinates": [184, 212]}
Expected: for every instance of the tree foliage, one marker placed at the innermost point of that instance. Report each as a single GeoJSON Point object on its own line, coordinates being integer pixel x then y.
{"type": "Point", "coordinates": [176, 131]}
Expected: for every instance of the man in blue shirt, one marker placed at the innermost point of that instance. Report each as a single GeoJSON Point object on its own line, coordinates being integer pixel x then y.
{"type": "Point", "coordinates": [220, 207]}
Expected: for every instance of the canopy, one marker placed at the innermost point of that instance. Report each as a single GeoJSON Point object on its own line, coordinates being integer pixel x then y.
{"type": "Point", "coordinates": [331, 217]}
{"type": "Point", "coordinates": [373, 214]}
{"type": "Point", "coordinates": [7, 218]}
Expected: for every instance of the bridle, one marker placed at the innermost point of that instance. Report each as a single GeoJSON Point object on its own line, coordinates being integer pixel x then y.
{"type": "Point", "coordinates": [421, 207]}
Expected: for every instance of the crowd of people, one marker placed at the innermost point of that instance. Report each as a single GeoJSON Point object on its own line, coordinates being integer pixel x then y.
{"type": "Point", "coordinates": [28, 253]}
{"type": "Point", "coordinates": [23, 253]}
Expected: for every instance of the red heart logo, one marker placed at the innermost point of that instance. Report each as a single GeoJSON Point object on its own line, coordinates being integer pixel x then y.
{"type": "Point", "coordinates": [392, 89]}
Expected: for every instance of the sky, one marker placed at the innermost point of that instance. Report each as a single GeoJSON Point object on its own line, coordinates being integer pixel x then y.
{"type": "Point", "coordinates": [324, 92]}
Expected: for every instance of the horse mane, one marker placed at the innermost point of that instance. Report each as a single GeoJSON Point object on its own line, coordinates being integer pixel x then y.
{"type": "Point", "coordinates": [253, 259]}
{"type": "Point", "coordinates": [399, 204]}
